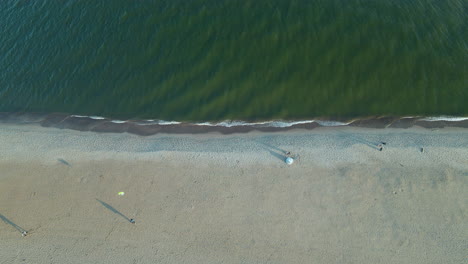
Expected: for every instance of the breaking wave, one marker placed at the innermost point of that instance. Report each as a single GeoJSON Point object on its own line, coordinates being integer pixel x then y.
{"type": "Point", "coordinates": [152, 126]}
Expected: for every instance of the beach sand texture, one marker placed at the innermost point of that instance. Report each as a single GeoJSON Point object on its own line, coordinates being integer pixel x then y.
{"type": "Point", "coordinates": [213, 198]}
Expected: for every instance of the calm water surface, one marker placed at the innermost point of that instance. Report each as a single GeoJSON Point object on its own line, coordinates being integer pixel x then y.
{"type": "Point", "coordinates": [250, 59]}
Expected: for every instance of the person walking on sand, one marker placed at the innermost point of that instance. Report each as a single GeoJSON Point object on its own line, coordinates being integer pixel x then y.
{"type": "Point", "coordinates": [380, 146]}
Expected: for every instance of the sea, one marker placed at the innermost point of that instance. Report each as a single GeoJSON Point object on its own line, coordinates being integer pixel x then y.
{"type": "Point", "coordinates": [215, 61]}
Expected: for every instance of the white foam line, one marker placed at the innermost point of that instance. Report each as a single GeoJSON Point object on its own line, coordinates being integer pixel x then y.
{"type": "Point", "coordinates": [444, 118]}
{"type": "Point", "coordinates": [331, 123]}
{"type": "Point", "coordinates": [287, 124]}
{"type": "Point", "coordinates": [273, 123]}
{"type": "Point", "coordinates": [263, 124]}
{"type": "Point", "coordinates": [92, 117]}
{"type": "Point", "coordinates": [97, 117]}
{"type": "Point", "coordinates": [168, 123]}
{"type": "Point", "coordinates": [159, 122]}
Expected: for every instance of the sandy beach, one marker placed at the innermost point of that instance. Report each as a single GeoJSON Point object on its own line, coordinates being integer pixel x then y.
{"type": "Point", "coordinates": [212, 198]}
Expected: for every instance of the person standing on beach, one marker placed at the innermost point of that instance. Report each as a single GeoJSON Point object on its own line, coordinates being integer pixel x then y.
{"type": "Point", "coordinates": [380, 146]}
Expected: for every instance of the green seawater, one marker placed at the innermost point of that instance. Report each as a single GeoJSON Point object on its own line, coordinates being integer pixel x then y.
{"type": "Point", "coordinates": [244, 60]}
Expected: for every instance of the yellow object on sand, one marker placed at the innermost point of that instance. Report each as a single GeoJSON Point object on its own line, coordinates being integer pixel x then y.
{"type": "Point", "coordinates": [121, 193]}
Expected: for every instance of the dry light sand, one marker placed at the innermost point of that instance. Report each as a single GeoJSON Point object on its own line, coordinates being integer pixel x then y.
{"type": "Point", "coordinates": [231, 199]}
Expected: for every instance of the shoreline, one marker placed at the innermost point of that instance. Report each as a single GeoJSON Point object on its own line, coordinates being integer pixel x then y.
{"type": "Point", "coordinates": [212, 198]}
{"type": "Point", "coordinates": [152, 127]}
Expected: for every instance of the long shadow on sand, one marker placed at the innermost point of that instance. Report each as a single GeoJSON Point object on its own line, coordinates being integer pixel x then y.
{"type": "Point", "coordinates": [274, 151]}
{"type": "Point", "coordinates": [112, 209]}
{"type": "Point", "coordinates": [370, 144]}
{"type": "Point", "coordinates": [17, 227]}
{"type": "Point", "coordinates": [64, 162]}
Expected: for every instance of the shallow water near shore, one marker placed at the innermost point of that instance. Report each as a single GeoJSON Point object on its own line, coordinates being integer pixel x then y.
{"type": "Point", "coordinates": [210, 60]}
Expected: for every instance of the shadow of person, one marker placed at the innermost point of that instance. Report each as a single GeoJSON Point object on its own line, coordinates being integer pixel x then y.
{"type": "Point", "coordinates": [371, 144]}
{"type": "Point", "coordinates": [279, 153]}
{"type": "Point", "coordinates": [64, 162]}
{"type": "Point", "coordinates": [17, 227]}
{"type": "Point", "coordinates": [276, 154]}
{"type": "Point", "coordinates": [112, 209]}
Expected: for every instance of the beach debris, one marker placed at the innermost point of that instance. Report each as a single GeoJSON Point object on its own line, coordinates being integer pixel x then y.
{"type": "Point", "coordinates": [289, 160]}
{"type": "Point", "coordinates": [422, 150]}
{"type": "Point", "coordinates": [132, 220]}
{"type": "Point", "coordinates": [121, 193]}
{"type": "Point", "coordinates": [24, 233]}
